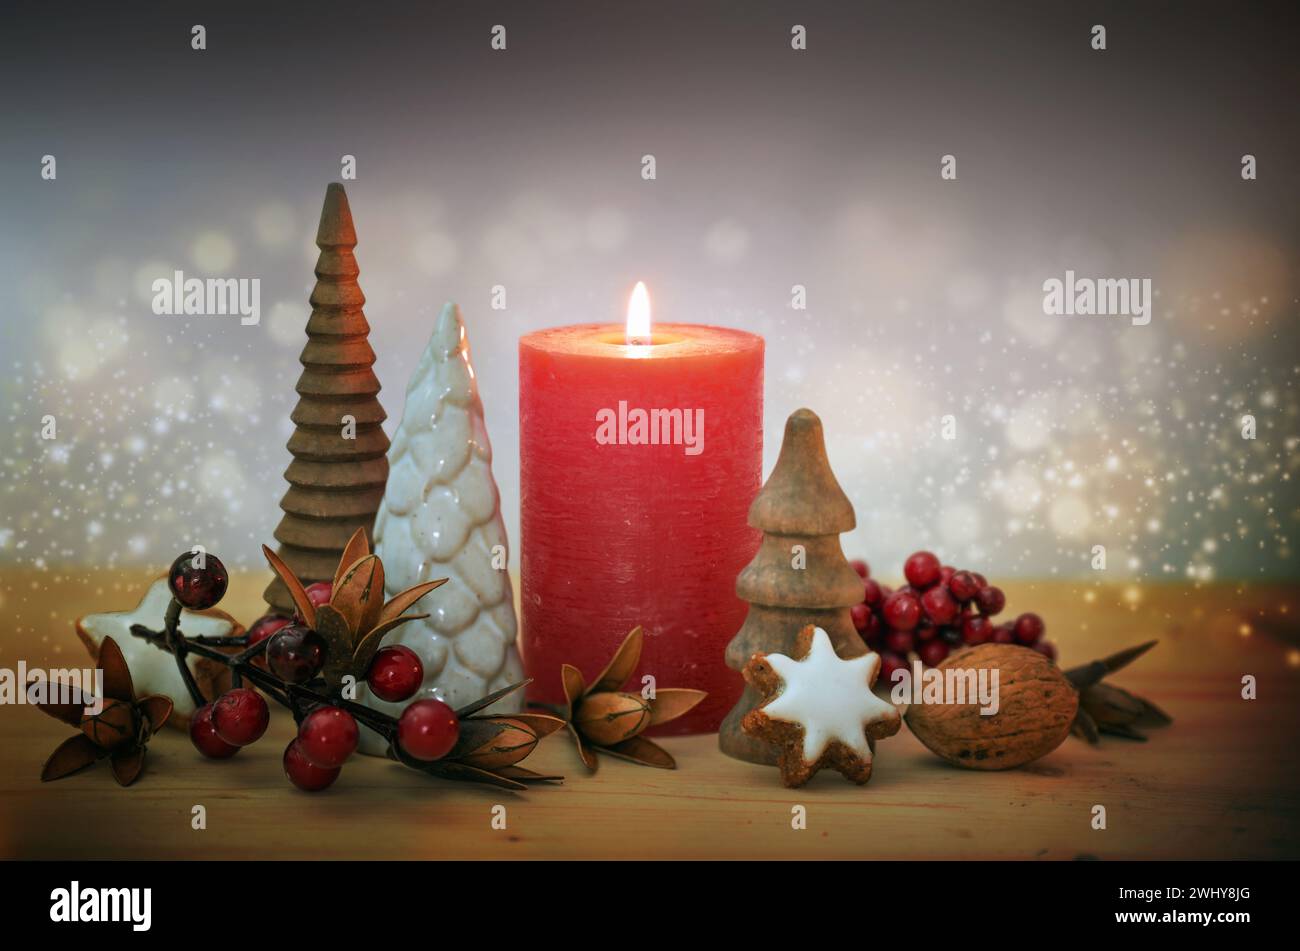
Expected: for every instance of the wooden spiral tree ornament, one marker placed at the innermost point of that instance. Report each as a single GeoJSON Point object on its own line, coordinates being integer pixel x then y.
{"type": "Point", "coordinates": [336, 480]}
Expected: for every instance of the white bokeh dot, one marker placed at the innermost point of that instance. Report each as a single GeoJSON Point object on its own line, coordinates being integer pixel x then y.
{"type": "Point", "coordinates": [275, 224]}
{"type": "Point", "coordinates": [287, 321]}
{"type": "Point", "coordinates": [146, 274]}
{"type": "Point", "coordinates": [212, 252]}
{"type": "Point", "coordinates": [1069, 516]}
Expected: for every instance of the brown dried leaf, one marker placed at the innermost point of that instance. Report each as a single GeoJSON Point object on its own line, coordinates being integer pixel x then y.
{"type": "Point", "coordinates": [621, 664]}
{"type": "Point", "coordinates": [643, 751]}
{"type": "Point", "coordinates": [332, 626]}
{"type": "Point", "coordinates": [460, 771]}
{"type": "Point", "coordinates": [542, 724]}
{"type": "Point", "coordinates": [358, 547]}
{"type": "Point", "coordinates": [404, 599]}
{"type": "Point", "coordinates": [127, 765]}
{"type": "Point", "coordinates": [359, 597]}
{"type": "Point", "coordinates": [574, 687]}
{"type": "Point", "coordinates": [117, 676]}
{"type": "Point", "coordinates": [1153, 715]}
{"type": "Point", "coordinates": [1085, 727]}
{"type": "Point", "coordinates": [588, 757]}
{"type": "Point", "coordinates": [1124, 730]}
{"type": "Point", "coordinates": [69, 713]}
{"type": "Point", "coordinates": [527, 775]}
{"type": "Point", "coordinates": [74, 753]}
{"type": "Point", "coordinates": [156, 709]}
{"type": "Point", "coordinates": [1108, 704]}
{"type": "Point", "coordinates": [671, 702]}
{"type": "Point", "coordinates": [369, 645]}
{"type": "Point", "coordinates": [482, 703]}
{"type": "Point", "coordinates": [1091, 673]}
{"type": "Point", "coordinates": [296, 591]}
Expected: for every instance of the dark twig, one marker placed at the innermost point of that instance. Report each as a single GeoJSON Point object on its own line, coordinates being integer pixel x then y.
{"type": "Point", "coordinates": [301, 699]}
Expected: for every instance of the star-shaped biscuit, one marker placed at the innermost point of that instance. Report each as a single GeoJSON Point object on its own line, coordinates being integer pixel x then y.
{"type": "Point", "coordinates": [818, 709]}
{"type": "Point", "coordinates": [153, 670]}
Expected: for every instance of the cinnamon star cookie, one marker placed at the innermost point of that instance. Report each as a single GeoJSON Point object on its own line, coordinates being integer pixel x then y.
{"type": "Point", "coordinates": [818, 709]}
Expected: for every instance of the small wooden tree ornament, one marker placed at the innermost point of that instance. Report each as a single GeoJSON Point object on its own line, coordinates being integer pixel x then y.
{"type": "Point", "coordinates": [799, 576]}
{"type": "Point", "coordinates": [336, 480]}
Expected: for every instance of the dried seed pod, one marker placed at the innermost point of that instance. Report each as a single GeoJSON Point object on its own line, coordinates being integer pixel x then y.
{"type": "Point", "coordinates": [497, 742]}
{"type": "Point", "coordinates": [1036, 707]}
{"type": "Point", "coordinates": [1085, 727]}
{"type": "Point", "coordinates": [609, 718]}
{"type": "Point", "coordinates": [1104, 708]}
{"type": "Point", "coordinates": [1115, 710]}
{"type": "Point", "coordinates": [1108, 704]}
{"type": "Point", "coordinates": [113, 726]}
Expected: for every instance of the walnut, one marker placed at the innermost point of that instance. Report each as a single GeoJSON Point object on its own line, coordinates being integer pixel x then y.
{"type": "Point", "coordinates": [1036, 706]}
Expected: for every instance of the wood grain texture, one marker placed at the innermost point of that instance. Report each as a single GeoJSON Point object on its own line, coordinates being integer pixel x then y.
{"type": "Point", "coordinates": [1221, 782]}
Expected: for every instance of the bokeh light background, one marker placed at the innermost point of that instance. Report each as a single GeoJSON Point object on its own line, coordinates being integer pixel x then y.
{"type": "Point", "coordinates": [775, 168]}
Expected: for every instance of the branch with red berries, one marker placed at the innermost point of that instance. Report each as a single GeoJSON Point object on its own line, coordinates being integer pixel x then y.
{"type": "Point", "coordinates": [943, 609]}
{"type": "Point", "coordinates": [939, 610]}
{"type": "Point", "coordinates": [311, 664]}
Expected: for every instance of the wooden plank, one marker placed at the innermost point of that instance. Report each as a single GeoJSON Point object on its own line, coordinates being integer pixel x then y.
{"type": "Point", "coordinates": [1220, 783]}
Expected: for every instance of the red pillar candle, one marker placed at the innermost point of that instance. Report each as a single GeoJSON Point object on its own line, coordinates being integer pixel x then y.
{"type": "Point", "coordinates": [638, 464]}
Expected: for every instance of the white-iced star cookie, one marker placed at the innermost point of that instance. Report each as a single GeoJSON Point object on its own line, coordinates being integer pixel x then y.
{"type": "Point", "coordinates": [819, 709]}
{"type": "Point", "coordinates": [153, 671]}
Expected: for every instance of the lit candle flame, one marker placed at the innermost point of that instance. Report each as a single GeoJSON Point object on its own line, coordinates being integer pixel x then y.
{"type": "Point", "coordinates": [638, 315]}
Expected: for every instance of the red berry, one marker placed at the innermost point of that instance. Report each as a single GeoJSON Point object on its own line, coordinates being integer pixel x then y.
{"type": "Point", "coordinates": [195, 587]}
{"type": "Point", "coordinates": [295, 654]}
{"type": "Point", "coordinates": [902, 610]}
{"type": "Point", "coordinates": [871, 633]}
{"type": "Point", "coordinates": [933, 653]}
{"type": "Point", "coordinates": [859, 613]}
{"type": "Point", "coordinates": [899, 642]}
{"type": "Point", "coordinates": [990, 600]}
{"type": "Point", "coordinates": [872, 593]}
{"type": "Point", "coordinates": [963, 586]}
{"type": "Point", "coordinates": [319, 593]}
{"type": "Point", "coordinates": [305, 774]}
{"type": "Point", "coordinates": [922, 569]}
{"type": "Point", "coordinates": [204, 735]}
{"type": "Point", "coordinates": [939, 605]}
{"type": "Point", "coordinates": [1003, 635]}
{"type": "Point", "coordinates": [980, 580]}
{"type": "Point", "coordinates": [328, 736]}
{"type": "Point", "coordinates": [263, 628]}
{"type": "Point", "coordinates": [396, 672]}
{"type": "Point", "coordinates": [240, 716]}
{"type": "Point", "coordinates": [1047, 649]}
{"type": "Point", "coordinates": [427, 729]}
{"type": "Point", "coordinates": [1029, 628]}
{"type": "Point", "coordinates": [946, 573]}
{"type": "Point", "coordinates": [888, 664]}
{"type": "Point", "coordinates": [861, 568]}
{"type": "Point", "coordinates": [925, 631]}
{"type": "Point", "coordinates": [977, 630]}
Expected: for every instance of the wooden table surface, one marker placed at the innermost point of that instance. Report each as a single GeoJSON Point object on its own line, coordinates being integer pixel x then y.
{"type": "Point", "coordinates": [1222, 782]}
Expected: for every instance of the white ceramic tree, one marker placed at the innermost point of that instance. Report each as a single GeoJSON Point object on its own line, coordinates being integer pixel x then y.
{"type": "Point", "coordinates": [441, 518]}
